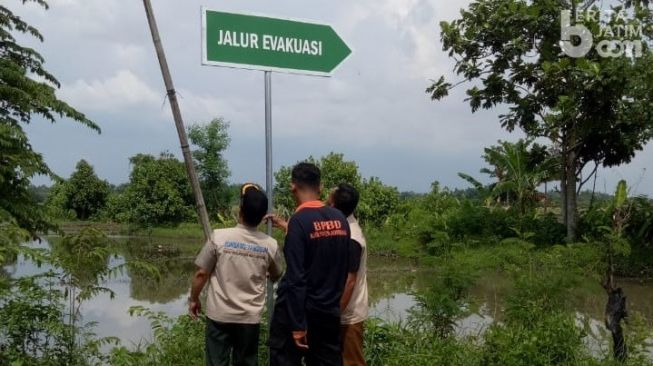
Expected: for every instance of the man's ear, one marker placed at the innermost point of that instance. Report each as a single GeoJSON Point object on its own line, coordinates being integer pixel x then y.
{"type": "Point", "coordinates": [293, 187]}
{"type": "Point", "coordinates": [329, 199]}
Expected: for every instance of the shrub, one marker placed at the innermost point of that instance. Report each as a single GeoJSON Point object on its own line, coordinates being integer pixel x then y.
{"type": "Point", "coordinates": [33, 330]}
{"type": "Point", "coordinates": [401, 345]}
{"type": "Point", "coordinates": [177, 341]}
{"type": "Point", "coordinates": [552, 339]}
{"type": "Point", "coordinates": [444, 302]}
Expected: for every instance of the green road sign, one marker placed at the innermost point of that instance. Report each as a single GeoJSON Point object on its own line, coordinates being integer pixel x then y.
{"type": "Point", "coordinates": [270, 44]}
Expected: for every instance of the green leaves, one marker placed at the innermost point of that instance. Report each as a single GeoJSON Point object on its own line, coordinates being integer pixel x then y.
{"type": "Point", "coordinates": [212, 140]}
{"type": "Point", "coordinates": [158, 193]}
{"type": "Point", "coordinates": [177, 341]}
{"type": "Point", "coordinates": [27, 91]}
{"type": "Point", "coordinates": [377, 200]}
{"type": "Point", "coordinates": [519, 168]}
{"type": "Point", "coordinates": [335, 170]}
{"type": "Point", "coordinates": [23, 96]}
{"type": "Point", "coordinates": [595, 109]}
{"type": "Point", "coordinates": [34, 331]}
{"type": "Point", "coordinates": [439, 89]}
{"type": "Point", "coordinates": [84, 192]}
{"type": "Point", "coordinates": [621, 194]}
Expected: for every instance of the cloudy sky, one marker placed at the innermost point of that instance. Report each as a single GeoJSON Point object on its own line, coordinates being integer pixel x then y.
{"type": "Point", "coordinates": [373, 109]}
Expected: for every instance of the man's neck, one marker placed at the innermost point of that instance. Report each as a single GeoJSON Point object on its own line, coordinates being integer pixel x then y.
{"type": "Point", "coordinates": [307, 197]}
{"type": "Point", "coordinates": [242, 223]}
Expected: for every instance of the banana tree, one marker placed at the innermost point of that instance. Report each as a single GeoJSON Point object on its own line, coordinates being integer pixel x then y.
{"type": "Point", "coordinates": [519, 169]}
{"type": "Point", "coordinates": [616, 245]}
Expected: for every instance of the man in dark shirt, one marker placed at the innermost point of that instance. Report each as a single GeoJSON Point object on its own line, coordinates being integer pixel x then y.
{"type": "Point", "coordinates": [306, 319]}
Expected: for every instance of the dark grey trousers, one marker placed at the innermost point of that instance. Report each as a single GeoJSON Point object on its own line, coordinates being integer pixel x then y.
{"type": "Point", "coordinates": [231, 344]}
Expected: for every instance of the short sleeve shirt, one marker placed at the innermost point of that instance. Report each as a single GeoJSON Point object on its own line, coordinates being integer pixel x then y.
{"type": "Point", "coordinates": [357, 308]}
{"type": "Point", "coordinates": [316, 250]}
{"type": "Point", "coordinates": [239, 260]}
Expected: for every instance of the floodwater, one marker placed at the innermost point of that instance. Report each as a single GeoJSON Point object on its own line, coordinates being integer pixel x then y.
{"type": "Point", "coordinates": [391, 283]}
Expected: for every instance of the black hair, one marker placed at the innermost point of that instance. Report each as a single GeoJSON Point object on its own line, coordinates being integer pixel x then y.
{"type": "Point", "coordinates": [253, 205]}
{"type": "Point", "coordinates": [307, 175]}
{"type": "Point", "coordinates": [345, 198]}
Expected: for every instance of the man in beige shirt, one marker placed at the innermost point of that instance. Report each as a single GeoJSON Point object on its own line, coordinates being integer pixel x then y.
{"type": "Point", "coordinates": [354, 299]}
{"type": "Point", "coordinates": [236, 262]}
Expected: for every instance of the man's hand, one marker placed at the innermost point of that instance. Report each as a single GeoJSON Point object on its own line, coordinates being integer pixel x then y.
{"type": "Point", "coordinates": [277, 221]}
{"type": "Point", "coordinates": [194, 308]}
{"type": "Point", "coordinates": [348, 291]}
{"type": "Point", "coordinates": [300, 339]}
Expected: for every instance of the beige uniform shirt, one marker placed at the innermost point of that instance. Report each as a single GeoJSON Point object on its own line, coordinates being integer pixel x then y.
{"type": "Point", "coordinates": [239, 260]}
{"type": "Point", "coordinates": [356, 311]}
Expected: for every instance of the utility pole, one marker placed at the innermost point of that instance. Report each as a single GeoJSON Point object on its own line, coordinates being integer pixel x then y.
{"type": "Point", "coordinates": [179, 123]}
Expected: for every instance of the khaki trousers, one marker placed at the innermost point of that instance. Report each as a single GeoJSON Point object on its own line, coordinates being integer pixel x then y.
{"type": "Point", "coordinates": [352, 344]}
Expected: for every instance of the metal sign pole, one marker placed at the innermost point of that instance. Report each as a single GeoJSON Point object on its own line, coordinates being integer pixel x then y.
{"type": "Point", "coordinates": [268, 173]}
{"type": "Point", "coordinates": [179, 123]}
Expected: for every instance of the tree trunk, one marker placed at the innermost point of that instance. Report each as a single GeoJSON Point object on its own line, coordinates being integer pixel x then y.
{"type": "Point", "coordinates": [563, 185]}
{"type": "Point", "coordinates": [571, 196]}
{"type": "Point", "coordinates": [615, 313]}
{"type": "Point", "coordinates": [570, 164]}
{"type": "Point", "coordinates": [596, 174]}
{"type": "Point", "coordinates": [546, 197]}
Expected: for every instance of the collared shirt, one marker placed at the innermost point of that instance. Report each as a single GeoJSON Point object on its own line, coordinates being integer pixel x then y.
{"type": "Point", "coordinates": [356, 310]}
{"type": "Point", "coordinates": [316, 250]}
{"type": "Point", "coordinates": [239, 260]}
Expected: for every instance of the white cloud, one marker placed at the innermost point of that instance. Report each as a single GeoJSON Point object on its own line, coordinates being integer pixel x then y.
{"type": "Point", "coordinates": [128, 54]}
{"type": "Point", "coordinates": [89, 17]}
{"type": "Point", "coordinates": [122, 90]}
{"type": "Point", "coordinates": [203, 107]}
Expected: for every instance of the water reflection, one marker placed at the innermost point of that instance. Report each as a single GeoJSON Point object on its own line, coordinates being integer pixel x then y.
{"type": "Point", "coordinates": [173, 280]}
{"type": "Point", "coordinates": [487, 307]}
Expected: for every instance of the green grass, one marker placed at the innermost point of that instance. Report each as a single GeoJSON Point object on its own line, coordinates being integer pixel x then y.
{"type": "Point", "coordinates": [183, 231]}
{"type": "Point", "coordinates": [385, 242]}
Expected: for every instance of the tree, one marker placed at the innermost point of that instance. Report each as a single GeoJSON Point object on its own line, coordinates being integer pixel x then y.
{"type": "Point", "coordinates": [335, 170]}
{"type": "Point", "coordinates": [519, 169]}
{"type": "Point", "coordinates": [27, 91]}
{"type": "Point", "coordinates": [283, 200]}
{"type": "Point", "coordinates": [615, 245]}
{"type": "Point", "coordinates": [593, 109]}
{"type": "Point", "coordinates": [85, 193]}
{"type": "Point", "coordinates": [377, 201]}
{"type": "Point", "coordinates": [30, 306]}
{"type": "Point", "coordinates": [40, 193]}
{"type": "Point", "coordinates": [212, 140]}
{"type": "Point", "coordinates": [158, 192]}
{"type": "Point", "coordinates": [56, 201]}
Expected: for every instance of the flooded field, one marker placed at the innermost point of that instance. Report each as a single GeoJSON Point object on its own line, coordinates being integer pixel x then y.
{"type": "Point", "coordinates": [392, 283]}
